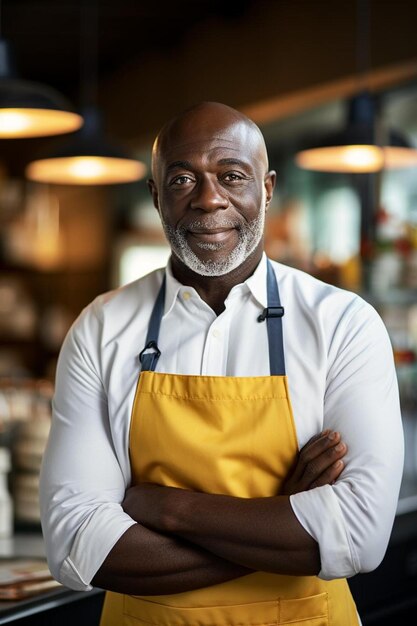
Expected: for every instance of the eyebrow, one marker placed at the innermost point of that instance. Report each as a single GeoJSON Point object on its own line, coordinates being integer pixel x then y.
{"type": "Point", "coordinates": [233, 161]}
{"type": "Point", "coordinates": [186, 165]}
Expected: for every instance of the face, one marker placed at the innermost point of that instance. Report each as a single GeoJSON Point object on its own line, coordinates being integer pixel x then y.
{"type": "Point", "coordinates": [211, 189]}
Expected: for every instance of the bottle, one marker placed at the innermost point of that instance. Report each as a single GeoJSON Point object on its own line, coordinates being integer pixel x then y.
{"type": "Point", "coordinates": [6, 504]}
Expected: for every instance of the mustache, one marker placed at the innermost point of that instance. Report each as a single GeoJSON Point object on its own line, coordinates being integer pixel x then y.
{"type": "Point", "coordinates": [210, 224]}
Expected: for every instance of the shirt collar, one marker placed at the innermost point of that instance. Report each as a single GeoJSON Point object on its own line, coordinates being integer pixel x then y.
{"type": "Point", "coordinates": [172, 288]}
{"type": "Point", "coordinates": [256, 284]}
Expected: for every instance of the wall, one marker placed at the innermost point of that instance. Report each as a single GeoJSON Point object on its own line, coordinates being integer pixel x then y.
{"type": "Point", "coordinates": [275, 49]}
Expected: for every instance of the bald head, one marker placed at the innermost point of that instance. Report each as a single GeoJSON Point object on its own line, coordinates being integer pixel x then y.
{"type": "Point", "coordinates": [206, 122]}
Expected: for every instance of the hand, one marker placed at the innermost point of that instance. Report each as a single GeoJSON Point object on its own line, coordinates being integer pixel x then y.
{"type": "Point", "coordinates": [318, 463]}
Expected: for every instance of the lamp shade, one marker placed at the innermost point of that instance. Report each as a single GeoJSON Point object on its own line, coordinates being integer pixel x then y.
{"type": "Point", "coordinates": [30, 109]}
{"type": "Point", "coordinates": [88, 160]}
{"type": "Point", "coordinates": [356, 149]}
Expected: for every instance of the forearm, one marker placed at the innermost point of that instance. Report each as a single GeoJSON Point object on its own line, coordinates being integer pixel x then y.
{"type": "Point", "coordinates": [145, 562]}
{"type": "Point", "coordinates": [259, 533]}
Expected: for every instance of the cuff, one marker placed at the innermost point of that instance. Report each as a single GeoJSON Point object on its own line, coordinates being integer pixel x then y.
{"type": "Point", "coordinates": [319, 512]}
{"type": "Point", "coordinates": [94, 540]}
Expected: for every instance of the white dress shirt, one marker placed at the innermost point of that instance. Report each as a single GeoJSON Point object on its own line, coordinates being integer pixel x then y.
{"type": "Point", "coordinates": [341, 376]}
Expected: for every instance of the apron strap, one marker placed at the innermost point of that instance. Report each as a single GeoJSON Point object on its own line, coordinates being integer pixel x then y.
{"type": "Point", "coordinates": [272, 314]}
{"type": "Point", "coordinates": [150, 354]}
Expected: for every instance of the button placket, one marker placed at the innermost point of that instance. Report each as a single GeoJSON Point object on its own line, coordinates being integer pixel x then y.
{"type": "Point", "coordinates": [215, 352]}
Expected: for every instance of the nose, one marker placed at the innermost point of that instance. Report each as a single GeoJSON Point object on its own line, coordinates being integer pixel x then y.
{"type": "Point", "coordinates": [209, 196]}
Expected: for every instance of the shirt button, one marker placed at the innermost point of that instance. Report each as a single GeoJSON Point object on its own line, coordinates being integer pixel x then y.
{"type": "Point", "coordinates": [186, 295]}
{"type": "Point", "coordinates": [216, 333]}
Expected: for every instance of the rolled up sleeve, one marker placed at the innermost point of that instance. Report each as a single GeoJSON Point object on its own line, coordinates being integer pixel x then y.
{"type": "Point", "coordinates": [82, 484]}
{"type": "Point", "coordinates": [352, 519]}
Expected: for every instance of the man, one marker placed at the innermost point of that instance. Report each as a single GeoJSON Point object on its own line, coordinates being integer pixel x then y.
{"type": "Point", "coordinates": [184, 493]}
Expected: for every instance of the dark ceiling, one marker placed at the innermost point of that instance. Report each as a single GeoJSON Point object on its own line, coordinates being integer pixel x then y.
{"type": "Point", "coordinates": [63, 42]}
{"type": "Point", "coordinates": [162, 55]}
{"type": "Point", "coordinates": [47, 35]}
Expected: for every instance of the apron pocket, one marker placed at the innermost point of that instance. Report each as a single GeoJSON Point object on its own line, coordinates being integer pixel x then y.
{"type": "Point", "coordinates": [310, 611]}
{"type": "Point", "coordinates": [139, 611]}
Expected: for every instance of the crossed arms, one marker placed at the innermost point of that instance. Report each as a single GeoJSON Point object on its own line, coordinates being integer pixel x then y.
{"type": "Point", "coordinates": [186, 540]}
{"type": "Point", "coordinates": [156, 543]}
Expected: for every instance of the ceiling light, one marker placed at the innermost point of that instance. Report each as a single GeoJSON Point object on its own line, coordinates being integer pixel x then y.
{"type": "Point", "coordinates": [29, 109]}
{"type": "Point", "coordinates": [85, 170]}
{"type": "Point", "coordinates": [359, 149]}
{"type": "Point", "coordinates": [88, 160]}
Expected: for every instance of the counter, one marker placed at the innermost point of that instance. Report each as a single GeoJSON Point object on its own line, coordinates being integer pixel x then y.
{"type": "Point", "coordinates": [59, 606]}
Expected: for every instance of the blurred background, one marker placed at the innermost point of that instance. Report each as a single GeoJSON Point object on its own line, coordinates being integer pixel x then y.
{"type": "Point", "coordinates": [84, 88]}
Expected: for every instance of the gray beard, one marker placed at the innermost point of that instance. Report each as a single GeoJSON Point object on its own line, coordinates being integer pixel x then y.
{"type": "Point", "coordinates": [250, 234]}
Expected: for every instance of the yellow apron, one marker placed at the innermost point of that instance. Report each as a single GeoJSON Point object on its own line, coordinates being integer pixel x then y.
{"type": "Point", "coordinates": [225, 435]}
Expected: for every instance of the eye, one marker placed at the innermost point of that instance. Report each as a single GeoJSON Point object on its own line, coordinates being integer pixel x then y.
{"type": "Point", "coordinates": [232, 177]}
{"type": "Point", "coordinates": [183, 179]}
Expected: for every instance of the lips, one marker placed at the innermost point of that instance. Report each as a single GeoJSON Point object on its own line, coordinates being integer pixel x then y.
{"type": "Point", "coordinates": [212, 235]}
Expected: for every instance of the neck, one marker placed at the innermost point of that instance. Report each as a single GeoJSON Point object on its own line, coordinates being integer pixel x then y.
{"type": "Point", "coordinates": [215, 289]}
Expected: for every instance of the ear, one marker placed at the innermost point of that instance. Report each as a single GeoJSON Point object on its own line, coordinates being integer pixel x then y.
{"type": "Point", "coordinates": [269, 183]}
{"type": "Point", "coordinates": [154, 193]}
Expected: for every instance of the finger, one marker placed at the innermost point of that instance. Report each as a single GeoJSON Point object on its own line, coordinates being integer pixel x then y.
{"type": "Point", "coordinates": [313, 449]}
{"type": "Point", "coordinates": [308, 452]}
{"type": "Point", "coordinates": [330, 475]}
{"type": "Point", "coordinates": [315, 438]}
{"type": "Point", "coordinates": [320, 464]}
{"type": "Point", "coordinates": [320, 445]}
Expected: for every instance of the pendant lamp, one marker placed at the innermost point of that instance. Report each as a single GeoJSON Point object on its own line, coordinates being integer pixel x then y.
{"type": "Point", "coordinates": [30, 109]}
{"type": "Point", "coordinates": [88, 160]}
{"type": "Point", "coordinates": [362, 147]}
